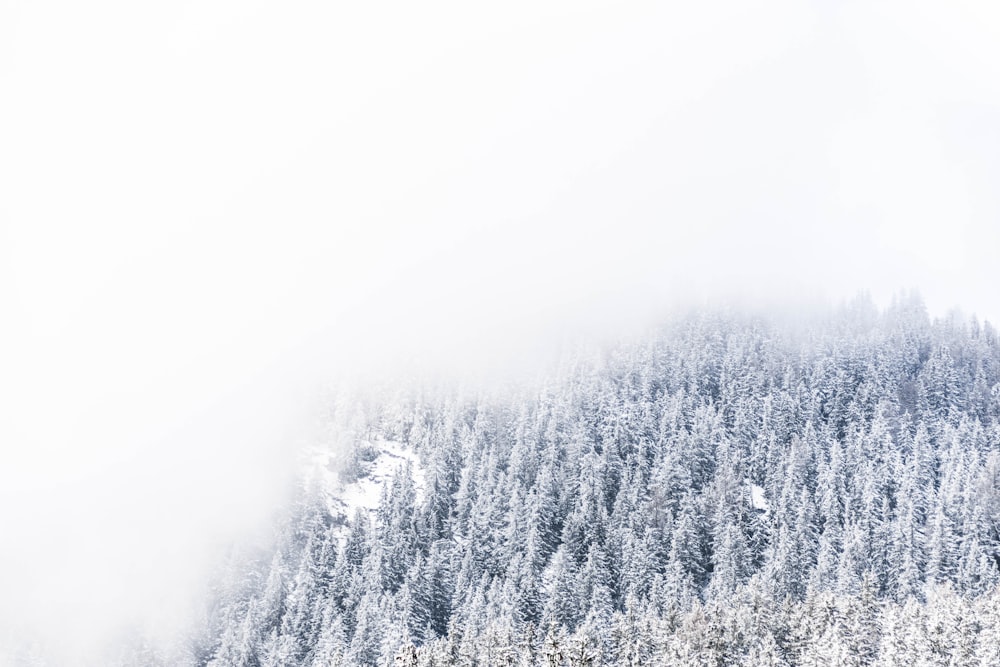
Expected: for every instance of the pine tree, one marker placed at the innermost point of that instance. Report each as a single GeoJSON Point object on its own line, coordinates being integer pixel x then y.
{"type": "Point", "coordinates": [553, 648]}
{"type": "Point", "coordinates": [366, 644]}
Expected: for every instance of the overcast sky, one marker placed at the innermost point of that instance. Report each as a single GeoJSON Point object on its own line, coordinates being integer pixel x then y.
{"type": "Point", "coordinates": [203, 203]}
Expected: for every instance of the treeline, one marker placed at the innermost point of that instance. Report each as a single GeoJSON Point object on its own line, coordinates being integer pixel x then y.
{"type": "Point", "coordinates": [732, 489]}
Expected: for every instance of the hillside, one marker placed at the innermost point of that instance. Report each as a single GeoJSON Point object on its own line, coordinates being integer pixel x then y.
{"type": "Point", "coordinates": [730, 489]}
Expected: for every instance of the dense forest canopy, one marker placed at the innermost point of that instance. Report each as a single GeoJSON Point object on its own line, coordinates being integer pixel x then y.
{"type": "Point", "coordinates": [730, 489]}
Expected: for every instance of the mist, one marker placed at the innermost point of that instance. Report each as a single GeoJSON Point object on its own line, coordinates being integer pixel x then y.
{"type": "Point", "coordinates": [209, 210]}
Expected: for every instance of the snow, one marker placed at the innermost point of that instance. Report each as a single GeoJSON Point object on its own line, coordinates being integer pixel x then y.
{"type": "Point", "coordinates": [344, 500]}
{"type": "Point", "coordinates": [366, 491]}
{"type": "Point", "coordinates": [757, 499]}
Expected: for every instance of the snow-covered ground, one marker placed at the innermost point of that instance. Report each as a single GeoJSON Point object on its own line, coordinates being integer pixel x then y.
{"type": "Point", "coordinates": [757, 499]}
{"type": "Point", "coordinates": [344, 499]}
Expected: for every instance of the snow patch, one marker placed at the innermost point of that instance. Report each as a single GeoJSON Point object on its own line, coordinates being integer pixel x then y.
{"type": "Point", "coordinates": [757, 499]}
{"type": "Point", "coordinates": [345, 499]}
{"type": "Point", "coordinates": [367, 490]}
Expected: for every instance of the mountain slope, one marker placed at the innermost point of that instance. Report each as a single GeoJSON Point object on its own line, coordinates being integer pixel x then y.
{"type": "Point", "coordinates": [729, 490]}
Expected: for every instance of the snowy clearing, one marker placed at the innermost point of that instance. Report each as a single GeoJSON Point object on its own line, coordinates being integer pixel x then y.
{"type": "Point", "coordinates": [757, 499]}
{"type": "Point", "coordinates": [345, 499]}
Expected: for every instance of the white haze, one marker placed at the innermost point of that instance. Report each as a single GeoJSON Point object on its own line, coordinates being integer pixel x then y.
{"type": "Point", "coordinates": [208, 207]}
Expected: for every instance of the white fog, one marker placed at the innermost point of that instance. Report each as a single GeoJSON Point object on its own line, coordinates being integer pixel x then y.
{"type": "Point", "coordinates": [209, 210]}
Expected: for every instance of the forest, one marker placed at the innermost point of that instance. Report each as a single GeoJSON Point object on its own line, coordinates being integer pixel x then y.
{"type": "Point", "coordinates": [730, 488]}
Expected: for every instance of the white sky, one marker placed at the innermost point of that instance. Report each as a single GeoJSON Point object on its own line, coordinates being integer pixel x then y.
{"type": "Point", "coordinates": [203, 203]}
